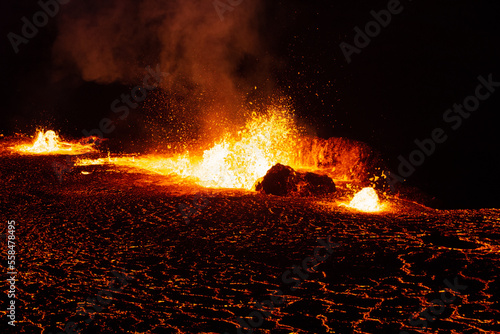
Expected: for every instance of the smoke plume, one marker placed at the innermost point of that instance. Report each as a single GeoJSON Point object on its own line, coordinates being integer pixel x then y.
{"type": "Point", "coordinates": [213, 57]}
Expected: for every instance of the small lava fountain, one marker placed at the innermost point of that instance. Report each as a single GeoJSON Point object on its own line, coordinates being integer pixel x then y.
{"type": "Point", "coordinates": [365, 200]}
{"type": "Point", "coordinates": [235, 161]}
{"type": "Point", "coordinates": [49, 143]}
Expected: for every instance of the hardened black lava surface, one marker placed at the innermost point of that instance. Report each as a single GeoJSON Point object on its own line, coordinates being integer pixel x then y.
{"type": "Point", "coordinates": [200, 274]}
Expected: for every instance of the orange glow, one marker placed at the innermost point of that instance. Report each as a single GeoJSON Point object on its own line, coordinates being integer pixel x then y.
{"type": "Point", "coordinates": [240, 158]}
{"type": "Point", "coordinates": [50, 143]}
{"type": "Point", "coordinates": [236, 161]}
{"type": "Point", "coordinates": [366, 200]}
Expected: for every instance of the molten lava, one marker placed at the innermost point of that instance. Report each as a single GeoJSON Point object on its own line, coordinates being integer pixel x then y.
{"type": "Point", "coordinates": [237, 162]}
{"type": "Point", "coordinates": [50, 143]}
{"type": "Point", "coordinates": [238, 159]}
{"type": "Point", "coordinates": [366, 200]}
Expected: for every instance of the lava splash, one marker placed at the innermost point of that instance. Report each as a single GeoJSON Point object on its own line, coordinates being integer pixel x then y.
{"type": "Point", "coordinates": [50, 143]}
{"type": "Point", "coordinates": [235, 161]}
{"type": "Point", "coordinates": [366, 200]}
{"type": "Point", "coordinates": [241, 157]}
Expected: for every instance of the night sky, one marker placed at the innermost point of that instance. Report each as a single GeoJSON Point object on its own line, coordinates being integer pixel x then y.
{"type": "Point", "coordinates": [395, 90]}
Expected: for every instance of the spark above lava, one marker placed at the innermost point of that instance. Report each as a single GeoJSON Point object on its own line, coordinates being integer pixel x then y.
{"type": "Point", "coordinates": [49, 143]}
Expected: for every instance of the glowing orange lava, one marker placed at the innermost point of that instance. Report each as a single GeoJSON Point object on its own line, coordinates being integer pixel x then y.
{"type": "Point", "coordinates": [365, 200]}
{"type": "Point", "coordinates": [240, 158]}
{"type": "Point", "coordinates": [236, 161]}
{"type": "Point", "coordinates": [50, 143]}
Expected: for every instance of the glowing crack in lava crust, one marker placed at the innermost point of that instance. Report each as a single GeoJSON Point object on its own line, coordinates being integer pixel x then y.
{"type": "Point", "coordinates": [49, 143]}
{"type": "Point", "coordinates": [365, 200]}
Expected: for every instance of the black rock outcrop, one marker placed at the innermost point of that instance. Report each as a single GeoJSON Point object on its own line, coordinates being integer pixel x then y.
{"type": "Point", "coordinates": [283, 180]}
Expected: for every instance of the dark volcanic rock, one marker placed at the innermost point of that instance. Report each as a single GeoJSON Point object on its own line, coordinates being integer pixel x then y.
{"type": "Point", "coordinates": [283, 180]}
{"type": "Point", "coordinates": [280, 180]}
{"type": "Point", "coordinates": [315, 184]}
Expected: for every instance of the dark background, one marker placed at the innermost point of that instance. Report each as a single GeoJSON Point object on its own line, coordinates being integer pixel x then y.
{"type": "Point", "coordinates": [395, 91]}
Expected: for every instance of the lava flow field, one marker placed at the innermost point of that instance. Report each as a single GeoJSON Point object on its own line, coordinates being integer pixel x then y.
{"type": "Point", "coordinates": [181, 258]}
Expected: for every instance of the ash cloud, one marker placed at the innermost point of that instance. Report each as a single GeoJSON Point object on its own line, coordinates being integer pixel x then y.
{"type": "Point", "coordinates": [210, 61]}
